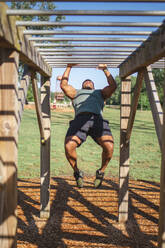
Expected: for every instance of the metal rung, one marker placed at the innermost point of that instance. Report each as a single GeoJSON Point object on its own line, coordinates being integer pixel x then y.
{"type": "Point", "coordinates": [85, 12]}
{"type": "Point", "coordinates": [89, 24]}
{"type": "Point", "coordinates": [84, 45]}
{"type": "Point", "coordinates": [83, 32]}
{"type": "Point", "coordinates": [86, 39]}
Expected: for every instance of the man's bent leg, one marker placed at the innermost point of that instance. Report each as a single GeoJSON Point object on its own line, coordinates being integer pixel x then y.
{"type": "Point", "coordinates": [106, 142]}
{"type": "Point", "coordinates": [71, 143]}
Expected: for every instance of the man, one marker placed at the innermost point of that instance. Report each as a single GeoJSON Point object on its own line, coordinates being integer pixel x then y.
{"type": "Point", "coordinates": [88, 104]}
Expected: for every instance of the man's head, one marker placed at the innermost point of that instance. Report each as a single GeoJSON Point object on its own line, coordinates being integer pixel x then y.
{"type": "Point", "coordinates": [88, 84]}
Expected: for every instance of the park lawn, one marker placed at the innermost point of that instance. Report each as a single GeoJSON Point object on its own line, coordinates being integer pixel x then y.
{"type": "Point", "coordinates": [145, 157]}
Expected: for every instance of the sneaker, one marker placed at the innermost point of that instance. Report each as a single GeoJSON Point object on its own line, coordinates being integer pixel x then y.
{"type": "Point", "coordinates": [78, 175]}
{"type": "Point", "coordinates": [99, 178]}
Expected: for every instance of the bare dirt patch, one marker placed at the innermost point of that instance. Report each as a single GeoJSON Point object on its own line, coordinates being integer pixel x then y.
{"type": "Point", "coordinates": [87, 218]}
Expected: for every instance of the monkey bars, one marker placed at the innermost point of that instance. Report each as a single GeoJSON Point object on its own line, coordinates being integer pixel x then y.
{"type": "Point", "coordinates": [130, 46]}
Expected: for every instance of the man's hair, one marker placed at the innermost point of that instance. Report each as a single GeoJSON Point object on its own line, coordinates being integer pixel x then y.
{"type": "Point", "coordinates": [88, 80]}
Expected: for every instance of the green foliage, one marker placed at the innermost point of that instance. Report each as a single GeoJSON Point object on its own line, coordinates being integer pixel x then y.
{"type": "Point", "coordinates": [115, 98]}
{"type": "Point", "coordinates": [159, 77]}
{"type": "Point", "coordinates": [30, 97]}
{"type": "Point", "coordinates": [39, 6]}
{"type": "Point", "coordinates": [143, 104]}
{"type": "Point", "coordinates": [52, 96]}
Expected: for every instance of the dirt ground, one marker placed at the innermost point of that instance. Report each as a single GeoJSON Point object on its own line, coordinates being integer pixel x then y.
{"type": "Point", "coordinates": [87, 217]}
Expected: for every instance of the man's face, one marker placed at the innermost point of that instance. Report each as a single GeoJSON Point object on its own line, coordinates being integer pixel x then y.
{"type": "Point", "coordinates": [88, 85]}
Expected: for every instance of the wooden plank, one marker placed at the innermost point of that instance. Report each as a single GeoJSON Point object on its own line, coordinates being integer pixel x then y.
{"type": "Point", "coordinates": [38, 106]}
{"type": "Point", "coordinates": [134, 103]}
{"type": "Point", "coordinates": [45, 149]}
{"type": "Point", "coordinates": [156, 107]}
{"type": "Point", "coordinates": [12, 36]}
{"type": "Point", "coordinates": [9, 61]}
{"type": "Point", "coordinates": [149, 52]}
{"type": "Point", "coordinates": [22, 92]}
{"type": "Point", "coordinates": [161, 234]}
{"type": "Point", "coordinates": [124, 149]}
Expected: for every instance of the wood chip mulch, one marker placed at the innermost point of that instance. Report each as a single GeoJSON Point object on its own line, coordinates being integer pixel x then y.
{"type": "Point", "coordinates": [87, 217]}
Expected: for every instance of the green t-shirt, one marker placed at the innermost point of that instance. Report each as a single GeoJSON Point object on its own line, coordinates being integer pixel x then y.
{"type": "Point", "coordinates": [88, 101]}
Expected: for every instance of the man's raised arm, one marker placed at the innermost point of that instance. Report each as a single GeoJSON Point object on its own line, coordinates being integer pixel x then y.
{"type": "Point", "coordinates": [108, 90]}
{"type": "Point", "coordinates": [68, 90]}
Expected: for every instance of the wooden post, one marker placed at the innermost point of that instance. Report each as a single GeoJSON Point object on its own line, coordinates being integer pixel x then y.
{"type": "Point", "coordinates": [134, 103]}
{"type": "Point", "coordinates": [124, 149]}
{"type": "Point", "coordinates": [45, 149]}
{"type": "Point", "coordinates": [38, 106]}
{"type": "Point", "coordinates": [156, 107]}
{"type": "Point", "coordinates": [22, 91]}
{"type": "Point", "coordinates": [161, 236]}
{"type": "Point", "coordinates": [9, 61]}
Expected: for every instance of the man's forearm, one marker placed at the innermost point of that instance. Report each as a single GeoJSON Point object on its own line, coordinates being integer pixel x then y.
{"type": "Point", "coordinates": [106, 72]}
{"type": "Point", "coordinates": [65, 76]}
{"type": "Point", "coordinates": [110, 78]}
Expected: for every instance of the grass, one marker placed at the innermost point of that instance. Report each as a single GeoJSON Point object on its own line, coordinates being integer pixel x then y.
{"type": "Point", "coordinates": [145, 157]}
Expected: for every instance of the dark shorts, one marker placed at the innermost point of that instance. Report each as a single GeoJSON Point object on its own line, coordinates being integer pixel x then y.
{"type": "Point", "coordinates": [88, 124]}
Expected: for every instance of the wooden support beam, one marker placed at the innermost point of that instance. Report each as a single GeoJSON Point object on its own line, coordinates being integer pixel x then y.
{"type": "Point", "coordinates": [22, 91]}
{"type": "Point", "coordinates": [12, 36]}
{"type": "Point", "coordinates": [9, 61]}
{"type": "Point", "coordinates": [161, 234]}
{"type": "Point", "coordinates": [156, 107]}
{"type": "Point", "coordinates": [38, 106]}
{"type": "Point", "coordinates": [149, 52]}
{"type": "Point", "coordinates": [124, 149]}
{"type": "Point", "coordinates": [134, 103]}
{"type": "Point", "coordinates": [45, 149]}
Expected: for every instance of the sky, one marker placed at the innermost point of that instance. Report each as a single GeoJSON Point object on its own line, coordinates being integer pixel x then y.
{"type": "Point", "coordinates": [78, 75]}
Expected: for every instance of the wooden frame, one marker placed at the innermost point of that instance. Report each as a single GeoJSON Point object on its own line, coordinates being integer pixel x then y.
{"type": "Point", "coordinates": [45, 148]}
{"type": "Point", "coordinates": [9, 61]}
{"type": "Point", "coordinates": [149, 52]}
{"type": "Point", "coordinates": [22, 91]}
{"type": "Point", "coordinates": [124, 149]}
{"type": "Point", "coordinates": [11, 36]}
{"type": "Point", "coordinates": [14, 44]}
{"type": "Point", "coordinates": [38, 106]}
{"type": "Point", "coordinates": [134, 103]}
{"type": "Point", "coordinates": [156, 108]}
{"type": "Point", "coordinates": [161, 237]}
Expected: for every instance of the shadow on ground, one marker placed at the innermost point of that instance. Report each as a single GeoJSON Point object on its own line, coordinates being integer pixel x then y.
{"type": "Point", "coordinates": [87, 217]}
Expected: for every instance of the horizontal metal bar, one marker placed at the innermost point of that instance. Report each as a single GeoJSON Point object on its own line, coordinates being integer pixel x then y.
{"type": "Point", "coordinates": [93, 65]}
{"type": "Point", "coordinates": [85, 12]}
{"type": "Point", "coordinates": [48, 54]}
{"type": "Point", "coordinates": [84, 45]}
{"type": "Point", "coordinates": [54, 50]}
{"type": "Point", "coordinates": [157, 66]}
{"type": "Point", "coordinates": [100, 39]}
{"type": "Point", "coordinates": [89, 24]}
{"type": "Point", "coordinates": [81, 66]}
{"type": "Point", "coordinates": [83, 32]}
{"type": "Point", "coordinates": [85, 60]}
{"type": "Point", "coordinates": [85, 57]}
{"type": "Point", "coordinates": [85, 63]}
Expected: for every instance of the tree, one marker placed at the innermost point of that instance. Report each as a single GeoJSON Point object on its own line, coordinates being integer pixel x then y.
{"type": "Point", "coordinates": [159, 77]}
{"type": "Point", "coordinates": [39, 6]}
